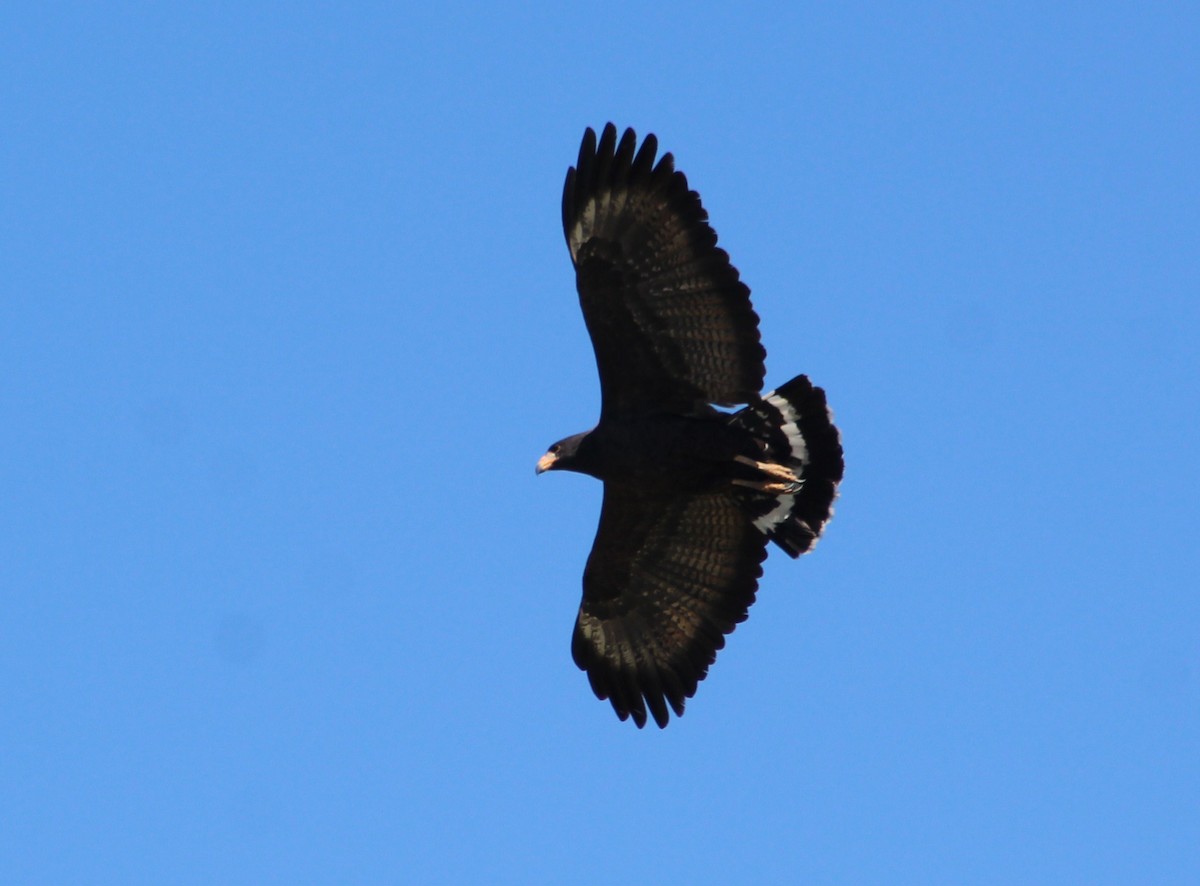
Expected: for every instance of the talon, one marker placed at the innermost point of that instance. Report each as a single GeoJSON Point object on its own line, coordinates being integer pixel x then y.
{"type": "Point", "coordinates": [779, 472]}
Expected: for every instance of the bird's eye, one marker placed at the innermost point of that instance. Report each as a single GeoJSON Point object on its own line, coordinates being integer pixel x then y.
{"type": "Point", "coordinates": [554, 448]}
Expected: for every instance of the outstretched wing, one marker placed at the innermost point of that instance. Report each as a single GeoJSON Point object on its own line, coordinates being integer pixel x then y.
{"type": "Point", "coordinates": [668, 577]}
{"type": "Point", "coordinates": [670, 321]}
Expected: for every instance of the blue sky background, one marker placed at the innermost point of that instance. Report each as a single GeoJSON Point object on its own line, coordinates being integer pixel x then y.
{"type": "Point", "coordinates": [286, 318]}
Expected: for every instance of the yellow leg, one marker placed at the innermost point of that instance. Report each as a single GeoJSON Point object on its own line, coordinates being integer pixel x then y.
{"type": "Point", "coordinates": [771, 488]}
{"type": "Point", "coordinates": [777, 472]}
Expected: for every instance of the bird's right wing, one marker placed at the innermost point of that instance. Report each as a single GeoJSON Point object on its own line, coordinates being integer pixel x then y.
{"type": "Point", "coordinates": [667, 579]}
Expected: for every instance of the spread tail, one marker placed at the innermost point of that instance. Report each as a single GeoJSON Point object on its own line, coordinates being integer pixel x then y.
{"type": "Point", "coordinates": [789, 484]}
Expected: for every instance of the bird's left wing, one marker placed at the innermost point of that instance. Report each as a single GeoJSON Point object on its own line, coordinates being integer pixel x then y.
{"type": "Point", "coordinates": [670, 321]}
{"type": "Point", "coordinates": [668, 577]}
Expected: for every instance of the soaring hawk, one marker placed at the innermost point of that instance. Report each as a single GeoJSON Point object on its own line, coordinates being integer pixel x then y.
{"type": "Point", "coordinates": [692, 494]}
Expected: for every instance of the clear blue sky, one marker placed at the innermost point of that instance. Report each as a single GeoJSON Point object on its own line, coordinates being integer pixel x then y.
{"type": "Point", "coordinates": [286, 319]}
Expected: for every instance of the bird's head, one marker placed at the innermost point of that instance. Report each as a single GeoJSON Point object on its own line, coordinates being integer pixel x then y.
{"type": "Point", "coordinates": [562, 455]}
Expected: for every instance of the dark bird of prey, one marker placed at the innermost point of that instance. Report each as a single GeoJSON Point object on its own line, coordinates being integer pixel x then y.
{"type": "Point", "coordinates": [692, 494]}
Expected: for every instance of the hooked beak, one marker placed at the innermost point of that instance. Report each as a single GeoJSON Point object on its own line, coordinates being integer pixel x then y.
{"type": "Point", "coordinates": [545, 463]}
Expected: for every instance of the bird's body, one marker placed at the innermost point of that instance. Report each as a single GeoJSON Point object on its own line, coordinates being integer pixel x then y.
{"type": "Point", "coordinates": [691, 494]}
{"type": "Point", "coordinates": [665, 450]}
